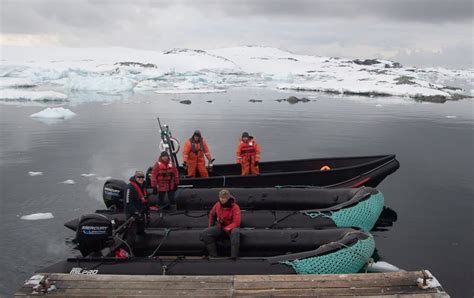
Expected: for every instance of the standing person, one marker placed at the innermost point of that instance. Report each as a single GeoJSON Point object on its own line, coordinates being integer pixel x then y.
{"type": "Point", "coordinates": [248, 155]}
{"type": "Point", "coordinates": [194, 151]}
{"type": "Point", "coordinates": [136, 205]}
{"type": "Point", "coordinates": [224, 221]}
{"type": "Point", "coordinates": [165, 179]}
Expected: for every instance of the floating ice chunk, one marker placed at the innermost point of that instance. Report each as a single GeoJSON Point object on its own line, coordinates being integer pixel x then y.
{"type": "Point", "coordinates": [100, 178]}
{"type": "Point", "coordinates": [382, 266]}
{"type": "Point", "coordinates": [54, 113]}
{"type": "Point", "coordinates": [14, 94]}
{"type": "Point", "coordinates": [16, 83]}
{"type": "Point", "coordinates": [188, 91]}
{"type": "Point", "coordinates": [378, 105]}
{"type": "Point", "coordinates": [451, 116]}
{"type": "Point", "coordinates": [88, 175]}
{"type": "Point", "coordinates": [37, 216]}
{"type": "Point", "coordinates": [35, 173]}
{"type": "Point", "coordinates": [69, 181]}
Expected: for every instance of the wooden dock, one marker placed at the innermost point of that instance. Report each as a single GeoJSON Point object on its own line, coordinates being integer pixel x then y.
{"type": "Point", "coordinates": [415, 284]}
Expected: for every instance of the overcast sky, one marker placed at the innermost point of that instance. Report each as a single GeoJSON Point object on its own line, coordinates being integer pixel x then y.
{"type": "Point", "coordinates": [413, 32]}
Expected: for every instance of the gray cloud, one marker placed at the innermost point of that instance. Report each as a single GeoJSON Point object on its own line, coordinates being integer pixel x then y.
{"type": "Point", "coordinates": [436, 30]}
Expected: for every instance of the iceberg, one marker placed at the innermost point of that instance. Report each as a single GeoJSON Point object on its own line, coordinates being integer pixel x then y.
{"type": "Point", "coordinates": [54, 113]}
{"type": "Point", "coordinates": [16, 83]}
{"type": "Point", "coordinates": [37, 216]}
{"type": "Point", "coordinates": [88, 175]}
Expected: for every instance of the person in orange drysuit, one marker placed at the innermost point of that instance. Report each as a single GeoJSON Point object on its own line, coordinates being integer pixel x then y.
{"type": "Point", "coordinates": [194, 151]}
{"type": "Point", "coordinates": [248, 155]}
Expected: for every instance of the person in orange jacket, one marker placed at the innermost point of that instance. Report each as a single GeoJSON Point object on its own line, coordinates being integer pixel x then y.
{"type": "Point", "coordinates": [248, 155]}
{"type": "Point", "coordinates": [194, 151]}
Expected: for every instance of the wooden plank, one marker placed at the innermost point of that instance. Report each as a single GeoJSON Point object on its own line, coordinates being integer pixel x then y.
{"type": "Point", "coordinates": [126, 278]}
{"type": "Point", "coordinates": [332, 291]}
{"type": "Point", "coordinates": [315, 277]}
{"type": "Point", "coordinates": [146, 285]}
{"type": "Point", "coordinates": [136, 292]}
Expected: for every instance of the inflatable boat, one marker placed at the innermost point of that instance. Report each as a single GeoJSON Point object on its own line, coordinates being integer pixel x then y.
{"type": "Point", "coordinates": [180, 252]}
{"type": "Point", "coordinates": [263, 208]}
{"type": "Point", "coordinates": [323, 172]}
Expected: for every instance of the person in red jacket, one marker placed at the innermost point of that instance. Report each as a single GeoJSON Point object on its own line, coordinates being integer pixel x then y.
{"type": "Point", "coordinates": [165, 179]}
{"type": "Point", "coordinates": [195, 148]}
{"type": "Point", "coordinates": [248, 155]}
{"type": "Point", "coordinates": [224, 221]}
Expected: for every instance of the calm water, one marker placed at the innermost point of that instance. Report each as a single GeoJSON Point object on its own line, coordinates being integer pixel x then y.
{"type": "Point", "coordinates": [432, 192]}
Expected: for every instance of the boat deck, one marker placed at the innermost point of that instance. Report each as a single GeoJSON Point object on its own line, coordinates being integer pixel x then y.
{"type": "Point", "coordinates": [393, 284]}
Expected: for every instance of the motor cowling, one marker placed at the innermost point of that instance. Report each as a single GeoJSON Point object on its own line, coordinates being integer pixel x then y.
{"type": "Point", "coordinates": [113, 193]}
{"type": "Point", "coordinates": [93, 233]}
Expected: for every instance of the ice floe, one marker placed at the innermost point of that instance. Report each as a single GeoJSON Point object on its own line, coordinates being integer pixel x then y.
{"type": "Point", "coordinates": [103, 178]}
{"type": "Point", "coordinates": [68, 181]}
{"type": "Point", "coordinates": [54, 113]}
{"type": "Point", "coordinates": [37, 216]}
{"type": "Point", "coordinates": [88, 175]}
{"type": "Point", "coordinates": [16, 83]}
{"type": "Point", "coordinates": [35, 173]}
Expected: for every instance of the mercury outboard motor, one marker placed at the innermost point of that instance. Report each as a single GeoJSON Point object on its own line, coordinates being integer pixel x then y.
{"type": "Point", "coordinates": [93, 233]}
{"type": "Point", "coordinates": [113, 193]}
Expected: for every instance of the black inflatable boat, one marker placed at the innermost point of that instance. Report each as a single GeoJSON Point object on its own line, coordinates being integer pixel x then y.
{"type": "Point", "coordinates": [261, 207]}
{"type": "Point", "coordinates": [344, 172]}
{"type": "Point", "coordinates": [263, 251]}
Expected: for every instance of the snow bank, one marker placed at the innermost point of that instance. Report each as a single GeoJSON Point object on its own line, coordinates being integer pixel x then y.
{"type": "Point", "coordinates": [37, 216]}
{"type": "Point", "coordinates": [54, 113]}
{"type": "Point", "coordinates": [103, 71]}
{"type": "Point", "coordinates": [14, 94]}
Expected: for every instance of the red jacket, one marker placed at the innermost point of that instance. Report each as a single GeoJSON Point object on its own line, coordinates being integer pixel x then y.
{"type": "Point", "coordinates": [227, 218]}
{"type": "Point", "coordinates": [164, 176]}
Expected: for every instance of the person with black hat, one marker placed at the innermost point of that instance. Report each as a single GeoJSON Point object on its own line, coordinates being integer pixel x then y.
{"type": "Point", "coordinates": [136, 206]}
{"type": "Point", "coordinates": [165, 180]}
{"type": "Point", "coordinates": [248, 155]}
{"type": "Point", "coordinates": [224, 221]}
{"type": "Point", "coordinates": [195, 148]}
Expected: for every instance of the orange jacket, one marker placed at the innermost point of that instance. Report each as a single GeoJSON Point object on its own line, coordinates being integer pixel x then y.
{"type": "Point", "coordinates": [192, 151]}
{"type": "Point", "coordinates": [246, 149]}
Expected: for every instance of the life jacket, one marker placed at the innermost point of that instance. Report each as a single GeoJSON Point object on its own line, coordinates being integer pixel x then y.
{"type": "Point", "coordinates": [194, 148]}
{"type": "Point", "coordinates": [164, 176]}
{"type": "Point", "coordinates": [140, 193]}
{"type": "Point", "coordinates": [248, 148]}
{"type": "Point", "coordinates": [226, 217]}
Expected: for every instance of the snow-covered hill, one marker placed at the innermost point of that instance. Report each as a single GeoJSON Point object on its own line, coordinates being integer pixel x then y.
{"type": "Point", "coordinates": [119, 70]}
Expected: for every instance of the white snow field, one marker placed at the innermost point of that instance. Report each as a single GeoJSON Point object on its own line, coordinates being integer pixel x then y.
{"type": "Point", "coordinates": [63, 73]}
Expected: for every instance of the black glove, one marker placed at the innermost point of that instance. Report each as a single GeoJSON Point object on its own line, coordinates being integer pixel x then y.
{"type": "Point", "coordinates": [185, 166]}
{"type": "Point", "coordinates": [155, 190]}
{"type": "Point", "coordinates": [256, 163]}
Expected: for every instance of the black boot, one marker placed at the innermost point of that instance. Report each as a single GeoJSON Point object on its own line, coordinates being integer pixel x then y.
{"type": "Point", "coordinates": [234, 251]}
{"type": "Point", "coordinates": [212, 249]}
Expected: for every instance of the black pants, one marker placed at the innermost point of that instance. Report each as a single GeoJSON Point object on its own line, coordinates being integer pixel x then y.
{"type": "Point", "coordinates": [211, 235]}
{"type": "Point", "coordinates": [136, 228]}
{"type": "Point", "coordinates": [161, 197]}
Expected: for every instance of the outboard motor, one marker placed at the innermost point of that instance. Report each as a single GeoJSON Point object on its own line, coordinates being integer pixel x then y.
{"type": "Point", "coordinates": [113, 193]}
{"type": "Point", "coordinates": [94, 232]}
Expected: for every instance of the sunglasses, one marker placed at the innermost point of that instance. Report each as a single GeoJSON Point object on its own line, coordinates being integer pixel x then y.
{"type": "Point", "coordinates": [140, 177]}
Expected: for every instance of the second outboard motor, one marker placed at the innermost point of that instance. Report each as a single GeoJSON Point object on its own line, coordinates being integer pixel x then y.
{"type": "Point", "coordinates": [113, 193]}
{"type": "Point", "coordinates": [94, 232]}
